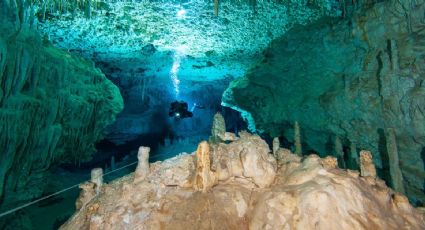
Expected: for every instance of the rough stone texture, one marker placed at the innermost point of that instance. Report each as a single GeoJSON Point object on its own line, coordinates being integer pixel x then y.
{"type": "Point", "coordinates": [246, 157]}
{"type": "Point", "coordinates": [303, 195]}
{"type": "Point", "coordinates": [53, 107]}
{"type": "Point", "coordinates": [393, 158]}
{"type": "Point", "coordinates": [128, 26]}
{"type": "Point", "coordinates": [352, 79]}
{"type": "Point", "coordinates": [86, 194]}
{"type": "Point", "coordinates": [143, 168]}
{"type": "Point", "coordinates": [204, 177]}
{"type": "Point", "coordinates": [218, 129]}
{"type": "Point", "coordinates": [367, 167]}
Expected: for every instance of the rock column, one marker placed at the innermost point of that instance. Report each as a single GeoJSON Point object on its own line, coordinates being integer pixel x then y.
{"type": "Point", "coordinates": [97, 178]}
{"type": "Point", "coordinates": [142, 169]}
{"type": "Point", "coordinates": [297, 139]}
{"type": "Point", "coordinates": [367, 168]}
{"type": "Point", "coordinates": [395, 171]}
{"type": "Point", "coordinates": [204, 178]}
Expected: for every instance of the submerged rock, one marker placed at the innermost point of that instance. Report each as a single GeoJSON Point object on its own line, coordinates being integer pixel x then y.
{"type": "Point", "coordinates": [53, 107]}
{"type": "Point", "coordinates": [301, 194]}
{"type": "Point", "coordinates": [348, 80]}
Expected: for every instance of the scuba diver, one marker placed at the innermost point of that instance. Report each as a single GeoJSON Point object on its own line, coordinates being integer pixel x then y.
{"type": "Point", "coordinates": [179, 109]}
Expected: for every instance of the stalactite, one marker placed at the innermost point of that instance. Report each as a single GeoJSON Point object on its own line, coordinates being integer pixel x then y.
{"type": "Point", "coordinates": [395, 66]}
{"type": "Point", "coordinates": [395, 171]}
{"type": "Point", "coordinates": [216, 7]}
{"type": "Point", "coordinates": [297, 139]}
{"type": "Point", "coordinates": [53, 107]}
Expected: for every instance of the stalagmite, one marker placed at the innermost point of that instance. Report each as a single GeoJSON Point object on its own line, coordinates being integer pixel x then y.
{"type": "Point", "coordinates": [218, 130]}
{"type": "Point", "coordinates": [395, 171]}
{"type": "Point", "coordinates": [276, 145]}
{"type": "Point", "coordinates": [394, 55]}
{"type": "Point", "coordinates": [142, 169]}
{"type": "Point", "coordinates": [339, 152]}
{"type": "Point", "coordinates": [112, 163]}
{"type": "Point", "coordinates": [329, 162]}
{"type": "Point", "coordinates": [297, 139]}
{"type": "Point", "coordinates": [204, 178]}
{"type": "Point", "coordinates": [216, 6]}
{"type": "Point", "coordinates": [302, 193]}
{"type": "Point", "coordinates": [367, 168]}
{"type": "Point", "coordinates": [97, 178]}
{"type": "Point", "coordinates": [354, 158]}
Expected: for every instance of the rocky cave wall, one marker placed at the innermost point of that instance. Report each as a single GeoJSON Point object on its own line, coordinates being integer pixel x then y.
{"type": "Point", "coordinates": [350, 80]}
{"type": "Point", "coordinates": [53, 107]}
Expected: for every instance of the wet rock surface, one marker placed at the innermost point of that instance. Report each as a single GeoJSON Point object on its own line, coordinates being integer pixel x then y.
{"type": "Point", "coordinates": [302, 194]}
{"type": "Point", "coordinates": [53, 107]}
{"type": "Point", "coordinates": [351, 80]}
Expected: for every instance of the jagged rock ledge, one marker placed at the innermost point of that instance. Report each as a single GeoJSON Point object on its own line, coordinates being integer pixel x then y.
{"type": "Point", "coordinates": [239, 185]}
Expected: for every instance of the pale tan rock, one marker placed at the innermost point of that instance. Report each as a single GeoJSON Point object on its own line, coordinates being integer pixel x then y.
{"type": "Point", "coordinates": [86, 194]}
{"type": "Point", "coordinates": [142, 169]}
{"type": "Point", "coordinates": [303, 195]}
{"type": "Point", "coordinates": [228, 136]}
{"type": "Point", "coordinates": [283, 156]}
{"type": "Point", "coordinates": [96, 222]}
{"type": "Point", "coordinates": [367, 168]}
{"type": "Point", "coordinates": [259, 165]}
{"type": "Point", "coordinates": [329, 162]}
{"type": "Point", "coordinates": [247, 157]}
{"type": "Point", "coordinates": [177, 171]}
{"type": "Point", "coordinates": [204, 177]}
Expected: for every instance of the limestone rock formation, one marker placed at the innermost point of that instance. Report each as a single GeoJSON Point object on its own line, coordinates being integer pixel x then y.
{"type": "Point", "coordinates": [302, 195]}
{"type": "Point", "coordinates": [142, 169]}
{"type": "Point", "coordinates": [218, 129]}
{"type": "Point", "coordinates": [87, 193]}
{"type": "Point", "coordinates": [204, 177]}
{"type": "Point", "coordinates": [367, 167]}
{"type": "Point", "coordinates": [54, 106]}
{"type": "Point", "coordinates": [247, 157]}
{"type": "Point", "coordinates": [352, 78]}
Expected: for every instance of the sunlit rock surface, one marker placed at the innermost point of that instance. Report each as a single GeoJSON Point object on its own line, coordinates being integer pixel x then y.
{"type": "Point", "coordinates": [53, 107]}
{"type": "Point", "coordinates": [350, 80]}
{"type": "Point", "coordinates": [302, 193]}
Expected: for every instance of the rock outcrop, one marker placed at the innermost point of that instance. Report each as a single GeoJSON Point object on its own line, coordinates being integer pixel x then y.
{"type": "Point", "coordinates": [352, 79]}
{"type": "Point", "coordinates": [296, 193]}
{"type": "Point", "coordinates": [54, 106]}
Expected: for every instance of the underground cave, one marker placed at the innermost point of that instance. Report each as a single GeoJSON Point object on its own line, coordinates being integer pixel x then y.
{"type": "Point", "coordinates": [212, 114]}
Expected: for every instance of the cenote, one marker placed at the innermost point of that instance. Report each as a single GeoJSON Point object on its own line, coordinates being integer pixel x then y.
{"type": "Point", "coordinates": [212, 114]}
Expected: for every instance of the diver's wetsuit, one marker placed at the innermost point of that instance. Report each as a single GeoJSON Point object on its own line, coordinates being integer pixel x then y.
{"type": "Point", "coordinates": [179, 110]}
